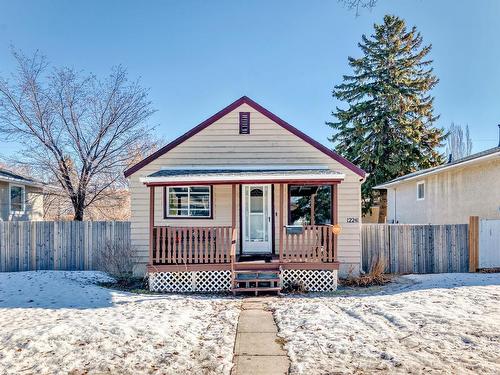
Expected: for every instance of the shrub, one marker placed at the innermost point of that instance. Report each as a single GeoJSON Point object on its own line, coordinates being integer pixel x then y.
{"type": "Point", "coordinates": [295, 286]}
{"type": "Point", "coordinates": [376, 276]}
{"type": "Point", "coordinates": [116, 259]}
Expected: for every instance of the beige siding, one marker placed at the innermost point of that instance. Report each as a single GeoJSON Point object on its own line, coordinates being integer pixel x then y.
{"type": "Point", "coordinates": [451, 196]}
{"type": "Point", "coordinates": [33, 205]}
{"type": "Point", "coordinates": [221, 144]}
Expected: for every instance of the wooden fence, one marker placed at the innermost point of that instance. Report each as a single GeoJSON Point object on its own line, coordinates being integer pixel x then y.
{"type": "Point", "coordinates": [57, 245]}
{"type": "Point", "coordinates": [409, 248]}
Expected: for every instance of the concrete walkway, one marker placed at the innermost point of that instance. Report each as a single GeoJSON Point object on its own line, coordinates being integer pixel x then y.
{"type": "Point", "coordinates": [258, 350]}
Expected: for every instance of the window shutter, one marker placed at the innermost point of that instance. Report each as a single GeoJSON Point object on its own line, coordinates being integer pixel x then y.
{"type": "Point", "coordinates": [244, 122]}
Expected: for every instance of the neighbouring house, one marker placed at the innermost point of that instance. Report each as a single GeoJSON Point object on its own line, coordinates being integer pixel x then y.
{"type": "Point", "coordinates": [245, 202]}
{"type": "Point", "coordinates": [449, 193]}
{"type": "Point", "coordinates": [21, 198]}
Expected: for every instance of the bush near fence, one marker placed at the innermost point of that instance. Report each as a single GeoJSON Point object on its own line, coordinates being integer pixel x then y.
{"type": "Point", "coordinates": [409, 248]}
{"type": "Point", "coordinates": [57, 245]}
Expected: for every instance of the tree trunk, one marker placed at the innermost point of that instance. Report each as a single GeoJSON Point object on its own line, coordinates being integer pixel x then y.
{"type": "Point", "coordinates": [382, 213]}
{"type": "Point", "coordinates": [78, 215]}
{"type": "Point", "coordinates": [79, 208]}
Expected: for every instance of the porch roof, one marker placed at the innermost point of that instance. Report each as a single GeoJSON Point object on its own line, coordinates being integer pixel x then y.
{"type": "Point", "coordinates": [242, 175]}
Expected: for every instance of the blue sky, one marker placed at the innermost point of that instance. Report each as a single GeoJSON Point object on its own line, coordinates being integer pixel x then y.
{"type": "Point", "coordinates": [198, 56]}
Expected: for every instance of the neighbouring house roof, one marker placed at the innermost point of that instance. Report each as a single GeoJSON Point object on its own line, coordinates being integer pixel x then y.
{"type": "Point", "coordinates": [263, 111]}
{"type": "Point", "coordinates": [8, 176]}
{"type": "Point", "coordinates": [480, 156]}
{"type": "Point", "coordinates": [241, 174]}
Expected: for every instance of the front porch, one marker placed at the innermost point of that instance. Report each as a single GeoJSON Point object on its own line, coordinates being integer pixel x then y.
{"type": "Point", "coordinates": [262, 248]}
{"type": "Point", "coordinates": [180, 249]}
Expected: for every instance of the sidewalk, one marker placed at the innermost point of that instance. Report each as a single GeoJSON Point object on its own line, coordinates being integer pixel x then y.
{"type": "Point", "coordinates": [258, 350]}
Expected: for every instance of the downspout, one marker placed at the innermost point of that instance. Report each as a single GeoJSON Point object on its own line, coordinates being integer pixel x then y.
{"type": "Point", "coordinates": [395, 205]}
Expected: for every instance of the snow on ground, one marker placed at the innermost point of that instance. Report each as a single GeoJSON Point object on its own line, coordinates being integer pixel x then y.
{"type": "Point", "coordinates": [445, 323]}
{"type": "Point", "coordinates": [55, 322]}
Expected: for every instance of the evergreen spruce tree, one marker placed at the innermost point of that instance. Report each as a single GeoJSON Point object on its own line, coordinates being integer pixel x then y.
{"type": "Point", "coordinates": [388, 127]}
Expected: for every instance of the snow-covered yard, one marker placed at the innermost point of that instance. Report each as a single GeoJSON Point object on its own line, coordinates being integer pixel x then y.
{"type": "Point", "coordinates": [447, 323]}
{"type": "Point", "coordinates": [60, 322]}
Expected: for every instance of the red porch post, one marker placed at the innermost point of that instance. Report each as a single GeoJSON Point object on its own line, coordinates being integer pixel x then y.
{"type": "Point", "coordinates": [233, 206]}
{"type": "Point", "coordinates": [280, 221]}
{"type": "Point", "coordinates": [335, 218]}
{"type": "Point", "coordinates": [151, 221]}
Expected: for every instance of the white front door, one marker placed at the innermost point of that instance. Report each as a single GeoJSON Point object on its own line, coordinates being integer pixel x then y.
{"type": "Point", "coordinates": [256, 219]}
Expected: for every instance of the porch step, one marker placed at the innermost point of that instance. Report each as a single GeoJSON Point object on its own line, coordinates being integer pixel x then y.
{"type": "Point", "coordinates": [256, 280]}
{"type": "Point", "coordinates": [253, 280]}
{"type": "Point", "coordinates": [258, 289]}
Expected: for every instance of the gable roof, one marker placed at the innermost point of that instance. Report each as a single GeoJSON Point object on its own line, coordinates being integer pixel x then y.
{"type": "Point", "coordinates": [8, 176]}
{"type": "Point", "coordinates": [263, 111]}
{"type": "Point", "coordinates": [487, 154]}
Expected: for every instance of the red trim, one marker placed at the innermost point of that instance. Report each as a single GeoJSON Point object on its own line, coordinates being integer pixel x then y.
{"type": "Point", "coordinates": [227, 266]}
{"type": "Point", "coordinates": [250, 181]}
{"type": "Point", "coordinates": [262, 110]}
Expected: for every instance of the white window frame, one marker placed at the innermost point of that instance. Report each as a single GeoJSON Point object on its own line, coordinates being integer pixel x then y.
{"type": "Point", "coordinates": [23, 198]}
{"type": "Point", "coordinates": [418, 184]}
{"type": "Point", "coordinates": [167, 203]}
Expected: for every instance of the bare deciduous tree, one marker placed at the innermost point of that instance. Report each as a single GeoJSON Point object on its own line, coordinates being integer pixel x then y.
{"type": "Point", "coordinates": [357, 4]}
{"type": "Point", "coordinates": [76, 129]}
{"type": "Point", "coordinates": [459, 142]}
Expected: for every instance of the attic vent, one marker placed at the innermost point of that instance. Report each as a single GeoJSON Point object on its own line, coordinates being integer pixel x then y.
{"type": "Point", "coordinates": [244, 122]}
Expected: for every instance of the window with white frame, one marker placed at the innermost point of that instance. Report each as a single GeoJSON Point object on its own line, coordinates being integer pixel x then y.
{"type": "Point", "coordinates": [17, 201]}
{"type": "Point", "coordinates": [188, 201]}
{"type": "Point", "coordinates": [420, 190]}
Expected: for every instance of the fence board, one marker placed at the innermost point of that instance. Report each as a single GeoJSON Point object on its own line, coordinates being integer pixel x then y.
{"type": "Point", "coordinates": [63, 245]}
{"type": "Point", "coordinates": [489, 244]}
{"type": "Point", "coordinates": [413, 248]}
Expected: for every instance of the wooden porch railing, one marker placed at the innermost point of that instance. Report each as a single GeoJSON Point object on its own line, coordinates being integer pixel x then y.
{"type": "Point", "coordinates": [314, 244]}
{"type": "Point", "coordinates": [192, 245]}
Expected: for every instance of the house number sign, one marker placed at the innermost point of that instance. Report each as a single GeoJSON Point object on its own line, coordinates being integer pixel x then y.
{"type": "Point", "coordinates": [353, 220]}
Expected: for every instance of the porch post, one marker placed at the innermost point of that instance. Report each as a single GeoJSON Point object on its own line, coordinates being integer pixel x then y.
{"type": "Point", "coordinates": [335, 218]}
{"type": "Point", "coordinates": [151, 221]}
{"type": "Point", "coordinates": [232, 249]}
{"type": "Point", "coordinates": [281, 229]}
{"type": "Point", "coordinates": [233, 206]}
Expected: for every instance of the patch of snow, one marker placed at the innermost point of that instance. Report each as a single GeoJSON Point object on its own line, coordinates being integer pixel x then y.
{"type": "Point", "coordinates": [442, 323]}
{"type": "Point", "coordinates": [56, 322]}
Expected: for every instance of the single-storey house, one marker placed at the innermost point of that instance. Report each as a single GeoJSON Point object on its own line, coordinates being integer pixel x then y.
{"type": "Point", "coordinates": [21, 198]}
{"type": "Point", "coordinates": [245, 202]}
{"type": "Point", "coordinates": [448, 193]}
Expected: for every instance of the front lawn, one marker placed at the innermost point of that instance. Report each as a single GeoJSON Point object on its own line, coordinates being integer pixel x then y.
{"type": "Point", "coordinates": [447, 323]}
{"type": "Point", "coordinates": [55, 322]}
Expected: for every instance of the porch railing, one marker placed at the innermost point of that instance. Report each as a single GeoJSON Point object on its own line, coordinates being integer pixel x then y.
{"type": "Point", "coordinates": [315, 243]}
{"type": "Point", "coordinates": [217, 244]}
{"type": "Point", "coordinates": [192, 245]}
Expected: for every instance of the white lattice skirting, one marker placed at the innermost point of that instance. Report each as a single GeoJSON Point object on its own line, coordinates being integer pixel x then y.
{"type": "Point", "coordinates": [193, 281]}
{"type": "Point", "coordinates": [313, 280]}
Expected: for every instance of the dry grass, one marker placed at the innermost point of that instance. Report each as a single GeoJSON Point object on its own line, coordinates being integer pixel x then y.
{"type": "Point", "coordinates": [376, 276]}
{"type": "Point", "coordinates": [296, 287]}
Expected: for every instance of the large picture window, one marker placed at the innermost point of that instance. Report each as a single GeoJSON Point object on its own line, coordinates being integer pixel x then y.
{"type": "Point", "coordinates": [188, 201]}
{"type": "Point", "coordinates": [309, 205]}
{"type": "Point", "coordinates": [16, 198]}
